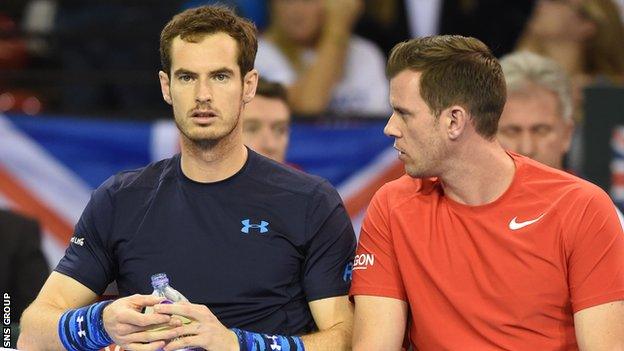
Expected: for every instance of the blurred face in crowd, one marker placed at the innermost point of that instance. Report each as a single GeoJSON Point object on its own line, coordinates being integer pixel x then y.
{"type": "Point", "coordinates": [560, 20]}
{"type": "Point", "coordinates": [532, 125]}
{"type": "Point", "coordinates": [417, 132]}
{"type": "Point", "coordinates": [266, 127]}
{"type": "Point", "coordinates": [205, 87]}
{"type": "Point", "coordinates": [298, 20]}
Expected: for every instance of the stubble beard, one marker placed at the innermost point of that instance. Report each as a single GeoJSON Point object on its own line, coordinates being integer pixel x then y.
{"type": "Point", "coordinates": [210, 141]}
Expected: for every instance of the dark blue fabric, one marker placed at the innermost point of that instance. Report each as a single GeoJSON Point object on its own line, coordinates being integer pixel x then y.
{"type": "Point", "coordinates": [211, 241]}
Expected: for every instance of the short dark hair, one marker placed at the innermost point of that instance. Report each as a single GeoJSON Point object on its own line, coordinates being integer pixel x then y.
{"type": "Point", "coordinates": [272, 90]}
{"type": "Point", "coordinates": [192, 24]}
{"type": "Point", "coordinates": [455, 70]}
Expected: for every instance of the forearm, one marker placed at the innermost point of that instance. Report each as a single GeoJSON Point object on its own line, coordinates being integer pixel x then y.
{"type": "Point", "coordinates": [39, 328]}
{"type": "Point", "coordinates": [335, 338]}
{"type": "Point", "coordinates": [312, 92]}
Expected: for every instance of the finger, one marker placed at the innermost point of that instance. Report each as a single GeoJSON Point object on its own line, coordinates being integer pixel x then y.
{"type": "Point", "coordinates": [192, 311]}
{"type": "Point", "coordinates": [183, 342]}
{"type": "Point", "coordinates": [143, 320]}
{"type": "Point", "coordinates": [145, 300]}
{"type": "Point", "coordinates": [152, 346]}
{"type": "Point", "coordinates": [126, 329]}
{"type": "Point", "coordinates": [148, 336]}
{"type": "Point", "coordinates": [188, 329]}
{"type": "Point", "coordinates": [176, 321]}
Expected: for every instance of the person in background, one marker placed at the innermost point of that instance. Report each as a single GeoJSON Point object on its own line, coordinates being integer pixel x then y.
{"type": "Point", "coordinates": [266, 121]}
{"type": "Point", "coordinates": [583, 36]}
{"type": "Point", "coordinates": [23, 268]}
{"type": "Point", "coordinates": [537, 120]}
{"type": "Point", "coordinates": [309, 47]}
{"type": "Point", "coordinates": [476, 247]}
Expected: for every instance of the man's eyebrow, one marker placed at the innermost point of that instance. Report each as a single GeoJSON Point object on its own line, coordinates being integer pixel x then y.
{"type": "Point", "coordinates": [181, 71]}
{"type": "Point", "coordinates": [400, 109]}
{"type": "Point", "coordinates": [222, 70]}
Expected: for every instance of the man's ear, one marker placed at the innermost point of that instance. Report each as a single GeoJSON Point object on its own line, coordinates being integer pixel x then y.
{"type": "Point", "coordinates": [165, 87]}
{"type": "Point", "coordinates": [568, 134]}
{"type": "Point", "coordinates": [456, 119]}
{"type": "Point", "coordinates": [250, 83]}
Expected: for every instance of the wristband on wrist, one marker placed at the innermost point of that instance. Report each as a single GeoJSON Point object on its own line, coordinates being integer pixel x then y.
{"type": "Point", "coordinates": [250, 341]}
{"type": "Point", "coordinates": [82, 329]}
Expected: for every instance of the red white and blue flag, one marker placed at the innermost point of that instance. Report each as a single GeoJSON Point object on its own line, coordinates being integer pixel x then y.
{"type": "Point", "coordinates": [617, 167]}
{"type": "Point", "coordinates": [50, 165]}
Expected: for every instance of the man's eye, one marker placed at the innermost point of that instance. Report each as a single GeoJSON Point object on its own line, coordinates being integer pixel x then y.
{"type": "Point", "coordinates": [221, 77]}
{"type": "Point", "coordinates": [185, 78]}
{"type": "Point", "coordinates": [509, 132]}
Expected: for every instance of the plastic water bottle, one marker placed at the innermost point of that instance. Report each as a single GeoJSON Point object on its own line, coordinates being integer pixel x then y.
{"type": "Point", "coordinates": [160, 283]}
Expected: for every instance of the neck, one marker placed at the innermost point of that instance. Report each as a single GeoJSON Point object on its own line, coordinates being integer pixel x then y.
{"type": "Point", "coordinates": [208, 163]}
{"type": "Point", "coordinates": [567, 53]}
{"type": "Point", "coordinates": [479, 174]}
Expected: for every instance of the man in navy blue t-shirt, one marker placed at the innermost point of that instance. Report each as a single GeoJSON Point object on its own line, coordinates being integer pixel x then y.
{"type": "Point", "coordinates": [254, 245]}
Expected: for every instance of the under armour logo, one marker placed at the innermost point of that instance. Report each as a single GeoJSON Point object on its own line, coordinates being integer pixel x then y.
{"type": "Point", "coordinates": [348, 272]}
{"type": "Point", "coordinates": [81, 332]}
{"type": "Point", "coordinates": [247, 225]}
{"type": "Point", "coordinates": [274, 345]}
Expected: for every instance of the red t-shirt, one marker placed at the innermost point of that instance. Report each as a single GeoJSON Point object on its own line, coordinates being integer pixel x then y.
{"type": "Point", "coordinates": [506, 275]}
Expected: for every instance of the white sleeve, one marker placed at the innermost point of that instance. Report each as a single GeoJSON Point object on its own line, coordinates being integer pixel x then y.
{"type": "Point", "coordinates": [272, 64]}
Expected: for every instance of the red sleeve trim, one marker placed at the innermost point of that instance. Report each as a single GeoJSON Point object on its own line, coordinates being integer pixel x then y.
{"type": "Point", "coordinates": [597, 300]}
{"type": "Point", "coordinates": [374, 291]}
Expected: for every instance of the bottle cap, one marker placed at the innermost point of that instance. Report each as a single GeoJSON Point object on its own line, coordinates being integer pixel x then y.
{"type": "Point", "coordinates": [159, 280]}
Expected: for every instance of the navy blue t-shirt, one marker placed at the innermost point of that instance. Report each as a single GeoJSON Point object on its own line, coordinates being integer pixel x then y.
{"type": "Point", "coordinates": [254, 248]}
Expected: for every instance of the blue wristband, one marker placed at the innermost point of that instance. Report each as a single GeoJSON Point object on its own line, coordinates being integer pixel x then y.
{"type": "Point", "coordinates": [82, 329]}
{"type": "Point", "coordinates": [250, 341]}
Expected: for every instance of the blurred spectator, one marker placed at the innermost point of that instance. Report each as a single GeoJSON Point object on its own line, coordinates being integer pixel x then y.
{"type": "Point", "coordinates": [309, 47]}
{"type": "Point", "coordinates": [585, 37]}
{"type": "Point", "coordinates": [23, 268]}
{"type": "Point", "coordinates": [496, 23]}
{"type": "Point", "coordinates": [266, 121]}
{"type": "Point", "coordinates": [537, 119]}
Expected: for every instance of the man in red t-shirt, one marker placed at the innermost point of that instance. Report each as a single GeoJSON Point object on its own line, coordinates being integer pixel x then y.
{"type": "Point", "coordinates": [477, 248]}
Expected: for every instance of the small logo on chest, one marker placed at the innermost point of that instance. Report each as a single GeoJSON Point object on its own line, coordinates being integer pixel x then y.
{"type": "Point", "coordinates": [513, 225]}
{"type": "Point", "coordinates": [262, 228]}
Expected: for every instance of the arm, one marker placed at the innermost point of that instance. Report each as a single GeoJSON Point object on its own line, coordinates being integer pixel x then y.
{"type": "Point", "coordinates": [379, 323]}
{"type": "Point", "coordinates": [312, 91]}
{"type": "Point", "coordinates": [600, 327]}
{"type": "Point", "coordinates": [39, 322]}
{"type": "Point", "coordinates": [334, 318]}
{"type": "Point", "coordinates": [122, 318]}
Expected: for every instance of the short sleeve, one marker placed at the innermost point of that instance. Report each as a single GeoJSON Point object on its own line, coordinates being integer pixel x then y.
{"type": "Point", "coordinates": [87, 259]}
{"type": "Point", "coordinates": [330, 247]}
{"type": "Point", "coordinates": [596, 253]}
{"type": "Point", "coordinates": [375, 267]}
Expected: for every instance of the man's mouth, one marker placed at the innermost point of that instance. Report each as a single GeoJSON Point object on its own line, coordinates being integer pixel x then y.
{"type": "Point", "coordinates": [203, 116]}
{"type": "Point", "coordinates": [401, 152]}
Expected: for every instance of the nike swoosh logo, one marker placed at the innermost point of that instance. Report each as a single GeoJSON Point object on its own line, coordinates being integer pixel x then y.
{"type": "Point", "coordinates": [513, 225]}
